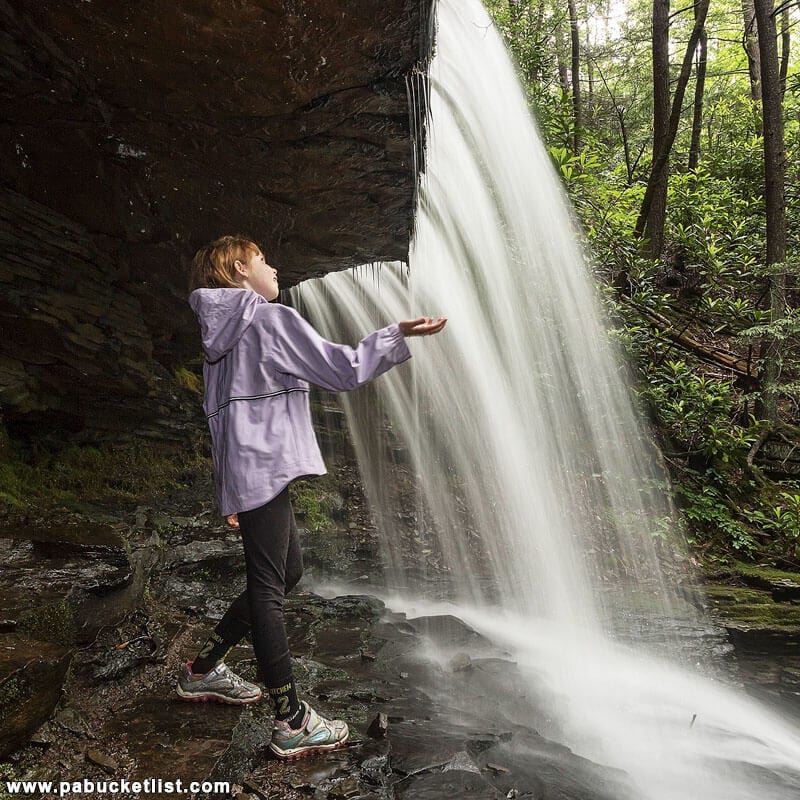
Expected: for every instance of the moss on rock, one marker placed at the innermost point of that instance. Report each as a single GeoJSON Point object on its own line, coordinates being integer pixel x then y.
{"type": "Point", "coordinates": [747, 608]}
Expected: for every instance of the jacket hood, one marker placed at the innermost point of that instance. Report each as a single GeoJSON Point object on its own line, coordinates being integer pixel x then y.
{"type": "Point", "coordinates": [224, 315]}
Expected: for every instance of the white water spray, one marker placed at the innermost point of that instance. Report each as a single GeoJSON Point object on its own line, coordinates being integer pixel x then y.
{"type": "Point", "coordinates": [537, 486]}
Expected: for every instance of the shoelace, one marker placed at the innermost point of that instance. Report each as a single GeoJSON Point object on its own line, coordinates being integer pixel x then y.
{"type": "Point", "coordinates": [235, 679]}
{"type": "Point", "coordinates": [224, 672]}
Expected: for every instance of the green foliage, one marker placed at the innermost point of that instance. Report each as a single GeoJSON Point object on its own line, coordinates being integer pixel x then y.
{"type": "Point", "coordinates": [712, 518]}
{"type": "Point", "coordinates": [574, 168]}
{"type": "Point", "coordinates": [190, 380]}
{"type": "Point", "coordinates": [711, 285]}
{"type": "Point", "coordinates": [537, 35]}
{"type": "Point", "coordinates": [314, 504]}
{"type": "Point", "coordinates": [106, 474]}
{"type": "Point", "coordinates": [696, 412]}
{"type": "Point", "coordinates": [780, 517]}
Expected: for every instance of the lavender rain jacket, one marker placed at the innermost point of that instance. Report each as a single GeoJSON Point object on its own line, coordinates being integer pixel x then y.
{"type": "Point", "coordinates": [260, 358]}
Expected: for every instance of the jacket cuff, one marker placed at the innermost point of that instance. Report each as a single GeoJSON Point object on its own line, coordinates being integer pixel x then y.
{"type": "Point", "coordinates": [397, 343]}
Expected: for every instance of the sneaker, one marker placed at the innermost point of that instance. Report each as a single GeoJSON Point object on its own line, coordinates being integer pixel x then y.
{"type": "Point", "coordinates": [316, 735]}
{"type": "Point", "coordinates": [220, 685]}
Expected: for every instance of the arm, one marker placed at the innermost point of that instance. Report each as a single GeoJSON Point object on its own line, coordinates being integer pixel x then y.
{"type": "Point", "coordinates": [295, 348]}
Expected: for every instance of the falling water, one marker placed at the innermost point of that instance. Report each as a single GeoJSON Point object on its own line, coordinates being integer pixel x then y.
{"type": "Point", "coordinates": [537, 487]}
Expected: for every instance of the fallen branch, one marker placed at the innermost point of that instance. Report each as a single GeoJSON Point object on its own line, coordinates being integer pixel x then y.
{"type": "Point", "coordinates": [708, 353]}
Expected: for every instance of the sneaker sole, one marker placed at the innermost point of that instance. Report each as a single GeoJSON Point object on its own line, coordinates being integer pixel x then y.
{"type": "Point", "coordinates": [299, 752]}
{"type": "Point", "coordinates": [212, 697]}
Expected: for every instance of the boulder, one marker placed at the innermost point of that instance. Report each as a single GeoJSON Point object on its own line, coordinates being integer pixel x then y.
{"type": "Point", "coordinates": [31, 677]}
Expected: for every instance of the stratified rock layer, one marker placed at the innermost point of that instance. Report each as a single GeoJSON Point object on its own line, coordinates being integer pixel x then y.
{"type": "Point", "coordinates": [131, 134]}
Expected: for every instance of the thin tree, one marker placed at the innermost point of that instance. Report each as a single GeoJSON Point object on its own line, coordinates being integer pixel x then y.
{"type": "Point", "coordinates": [575, 50]}
{"type": "Point", "coordinates": [753, 63]}
{"type": "Point", "coordinates": [563, 69]}
{"type": "Point", "coordinates": [699, 91]}
{"type": "Point", "coordinates": [652, 214]}
{"type": "Point", "coordinates": [775, 201]}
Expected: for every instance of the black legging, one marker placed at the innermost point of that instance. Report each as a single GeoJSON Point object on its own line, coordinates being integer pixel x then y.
{"type": "Point", "coordinates": [274, 565]}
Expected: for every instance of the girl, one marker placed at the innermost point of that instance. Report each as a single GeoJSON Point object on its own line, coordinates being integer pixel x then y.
{"type": "Point", "coordinates": [260, 359]}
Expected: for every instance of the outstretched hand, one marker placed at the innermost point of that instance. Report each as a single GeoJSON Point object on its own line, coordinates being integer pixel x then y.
{"type": "Point", "coordinates": [421, 326]}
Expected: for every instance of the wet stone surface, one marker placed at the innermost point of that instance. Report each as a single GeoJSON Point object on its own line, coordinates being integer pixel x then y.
{"type": "Point", "coordinates": [435, 709]}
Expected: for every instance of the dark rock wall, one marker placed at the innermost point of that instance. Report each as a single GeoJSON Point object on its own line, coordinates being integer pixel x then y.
{"type": "Point", "coordinates": [132, 133]}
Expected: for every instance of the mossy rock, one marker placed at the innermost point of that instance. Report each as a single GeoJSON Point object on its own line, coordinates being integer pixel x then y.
{"type": "Point", "coordinates": [749, 609]}
{"type": "Point", "coordinates": [783, 585]}
{"type": "Point", "coordinates": [50, 622]}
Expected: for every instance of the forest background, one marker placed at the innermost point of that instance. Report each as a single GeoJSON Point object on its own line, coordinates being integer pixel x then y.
{"type": "Point", "coordinates": [676, 131]}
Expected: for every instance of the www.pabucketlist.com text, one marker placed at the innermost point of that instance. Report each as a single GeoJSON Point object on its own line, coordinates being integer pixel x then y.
{"type": "Point", "coordinates": [118, 787]}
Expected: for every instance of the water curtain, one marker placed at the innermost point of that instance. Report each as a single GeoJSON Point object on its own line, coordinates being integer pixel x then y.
{"type": "Point", "coordinates": [533, 486]}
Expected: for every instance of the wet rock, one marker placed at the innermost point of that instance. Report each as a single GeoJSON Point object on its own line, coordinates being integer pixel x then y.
{"type": "Point", "coordinates": [454, 783]}
{"type": "Point", "coordinates": [255, 790]}
{"type": "Point", "coordinates": [339, 553]}
{"type": "Point", "coordinates": [62, 583]}
{"type": "Point", "coordinates": [42, 736]}
{"type": "Point", "coordinates": [91, 557]}
{"type": "Point", "coordinates": [31, 677]}
{"type": "Point", "coordinates": [313, 773]}
{"type": "Point", "coordinates": [165, 737]}
{"type": "Point", "coordinates": [71, 720]}
{"type": "Point", "coordinates": [349, 787]}
{"type": "Point", "coordinates": [374, 767]}
{"type": "Point", "coordinates": [422, 746]}
{"type": "Point", "coordinates": [248, 743]}
{"type": "Point", "coordinates": [101, 760]}
{"type": "Point", "coordinates": [460, 662]}
{"type": "Point", "coordinates": [449, 631]}
{"type": "Point", "coordinates": [202, 576]}
{"type": "Point", "coordinates": [378, 727]}
{"type": "Point", "coordinates": [215, 553]}
{"type": "Point", "coordinates": [549, 770]}
{"type": "Point", "coordinates": [461, 761]}
{"type": "Point", "coordinates": [783, 586]}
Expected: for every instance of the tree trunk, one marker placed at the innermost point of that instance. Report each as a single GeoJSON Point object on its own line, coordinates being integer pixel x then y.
{"type": "Point", "coordinates": [623, 129]}
{"type": "Point", "coordinates": [753, 63]}
{"type": "Point", "coordinates": [652, 214]}
{"type": "Point", "coordinates": [563, 70]}
{"type": "Point", "coordinates": [590, 103]}
{"type": "Point", "coordinates": [786, 43]}
{"type": "Point", "coordinates": [774, 178]}
{"type": "Point", "coordinates": [699, 90]}
{"type": "Point", "coordinates": [652, 218]}
{"type": "Point", "coordinates": [575, 49]}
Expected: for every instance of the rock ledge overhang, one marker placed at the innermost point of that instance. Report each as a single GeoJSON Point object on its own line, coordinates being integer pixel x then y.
{"type": "Point", "coordinates": [133, 133]}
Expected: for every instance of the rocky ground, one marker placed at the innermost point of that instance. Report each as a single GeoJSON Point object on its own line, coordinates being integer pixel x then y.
{"type": "Point", "coordinates": [117, 636]}
{"type": "Point", "coordinates": [97, 616]}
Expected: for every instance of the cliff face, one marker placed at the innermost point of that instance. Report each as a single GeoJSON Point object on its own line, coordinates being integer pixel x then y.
{"type": "Point", "coordinates": [133, 133]}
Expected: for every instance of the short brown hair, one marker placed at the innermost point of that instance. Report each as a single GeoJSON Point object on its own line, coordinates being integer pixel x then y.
{"type": "Point", "coordinates": [213, 265]}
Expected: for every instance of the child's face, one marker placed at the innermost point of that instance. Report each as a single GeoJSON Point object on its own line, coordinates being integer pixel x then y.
{"type": "Point", "coordinates": [258, 275]}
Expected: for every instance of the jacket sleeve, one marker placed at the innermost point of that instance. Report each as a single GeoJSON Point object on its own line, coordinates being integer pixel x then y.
{"type": "Point", "coordinates": [295, 348]}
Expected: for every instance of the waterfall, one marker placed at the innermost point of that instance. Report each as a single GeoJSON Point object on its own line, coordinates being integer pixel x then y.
{"type": "Point", "coordinates": [531, 479]}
